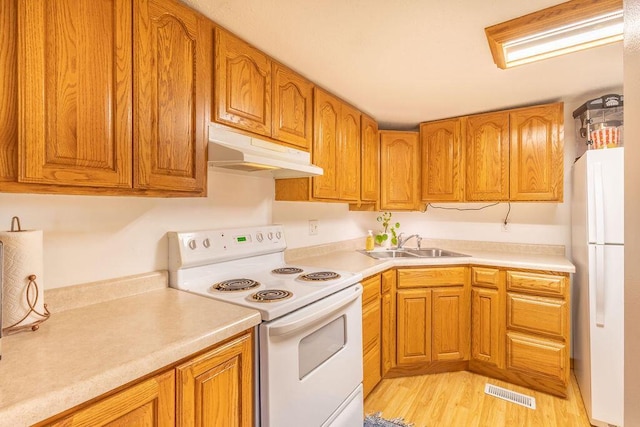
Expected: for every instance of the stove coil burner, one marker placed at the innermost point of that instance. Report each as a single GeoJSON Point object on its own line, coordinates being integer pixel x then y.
{"type": "Point", "coordinates": [235, 285]}
{"type": "Point", "coordinates": [271, 295]}
{"type": "Point", "coordinates": [319, 276]}
{"type": "Point", "coordinates": [287, 270]}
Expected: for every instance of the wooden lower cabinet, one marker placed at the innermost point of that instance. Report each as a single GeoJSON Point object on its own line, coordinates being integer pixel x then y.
{"type": "Point", "coordinates": [371, 345]}
{"type": "Point", "coordinates": [487, 327]}
{"type": "Point", "coordinates": [508, 324]}
{"type": "Point", "coordinates": [214, 388]}
{"type": "Point", "coordinates": [388, 279]}
{"type": "Point", "coordinates": [432, 320]}
{"type": "Point", "coordinates": [148, 403]}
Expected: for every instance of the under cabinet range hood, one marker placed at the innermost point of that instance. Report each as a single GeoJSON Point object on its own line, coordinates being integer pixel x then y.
{"type": "Point", "coordinates": [238, 152]}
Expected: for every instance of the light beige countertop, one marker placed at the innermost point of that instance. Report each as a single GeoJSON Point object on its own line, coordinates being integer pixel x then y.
{"type": "Point", "coordinates": [83, 352]}
{"type": "Point", "coordinates": [357, 262]}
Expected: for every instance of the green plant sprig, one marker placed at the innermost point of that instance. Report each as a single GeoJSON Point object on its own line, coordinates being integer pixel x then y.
{"type": "Point", "coordinates": [388, 227]}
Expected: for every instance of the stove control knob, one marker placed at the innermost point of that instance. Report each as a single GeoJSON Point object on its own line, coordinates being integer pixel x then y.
{"type": "Point", "coordinates": [206, 243]}
{"type": "Point", "coordinates": [278, 235]}
{"type": "Point", "coordinates": [270, 235]}
{"type": "Point", "coordinates": [259, 237]}
{"type": "Point", "coordinates": [192, 244]}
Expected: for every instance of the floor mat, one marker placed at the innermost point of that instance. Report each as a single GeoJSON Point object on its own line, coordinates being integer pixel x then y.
{"type": "Point", "coordinates": [376, 420]}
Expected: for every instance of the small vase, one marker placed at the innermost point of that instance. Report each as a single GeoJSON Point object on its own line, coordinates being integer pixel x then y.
{"type": "Point", "coordinates": [386, 244]}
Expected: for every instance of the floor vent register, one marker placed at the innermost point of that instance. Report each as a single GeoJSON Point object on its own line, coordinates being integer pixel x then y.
{"type": "Point", "coordinates": [511, 396]}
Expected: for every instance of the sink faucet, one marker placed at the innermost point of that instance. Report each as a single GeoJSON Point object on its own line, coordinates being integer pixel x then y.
{"type": "Point", "coordinates": [402, 240]}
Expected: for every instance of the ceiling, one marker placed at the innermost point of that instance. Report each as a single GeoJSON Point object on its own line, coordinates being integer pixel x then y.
{"type": "Point", "coordinates": [408, 61]}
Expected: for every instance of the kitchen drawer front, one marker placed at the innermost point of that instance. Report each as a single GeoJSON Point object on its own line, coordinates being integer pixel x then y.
{"type": "Point", "coordinates": [538, 315]}
{"type": "Point", "coordinates": [536, 283]}
{"type": "Point", "coordinates": [371, 326]}
{"type": "Point", "coordinates": [388, 280]}
{"type": "Point", "coordinates": [537, 356]}
{"type": "Point", "coordinates": [371, 289]}
{"type": "Point", "coordinates": [485, 277]}
{"type": "Point", "coordinates": [430, 277]}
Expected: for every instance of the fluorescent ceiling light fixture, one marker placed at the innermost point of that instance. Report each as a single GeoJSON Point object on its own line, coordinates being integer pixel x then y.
{"type": "Point", "coordinates": [557, 30]}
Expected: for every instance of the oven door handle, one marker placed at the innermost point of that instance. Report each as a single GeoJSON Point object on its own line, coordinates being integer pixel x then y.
{"type": "Point", "coordinates": [327, 309]}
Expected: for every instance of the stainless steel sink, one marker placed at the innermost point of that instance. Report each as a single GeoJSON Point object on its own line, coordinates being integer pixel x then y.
{"type": "Point", "coordinates": [433, 253]}
{"type": "Point", "coordinates": [412, 253]}
{"type": "Point", "coordinates": [392, 253]}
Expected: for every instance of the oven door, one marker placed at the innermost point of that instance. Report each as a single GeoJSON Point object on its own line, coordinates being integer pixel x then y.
{"type": "Point", "coordinates": [311, 361]}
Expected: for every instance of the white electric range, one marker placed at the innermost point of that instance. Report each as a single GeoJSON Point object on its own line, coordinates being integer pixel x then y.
{"type": "Point", "coordinates": [310, 341]}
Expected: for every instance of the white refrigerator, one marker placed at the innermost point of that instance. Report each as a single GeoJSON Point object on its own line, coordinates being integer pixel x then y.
{"type": "Point", "coordinates": [597, 228]}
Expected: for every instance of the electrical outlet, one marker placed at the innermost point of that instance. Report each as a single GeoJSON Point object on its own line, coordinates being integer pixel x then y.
{"type": "Point", "coordinates": [313, 227]}
{"type": "Point", "coordinates": [505, 228]}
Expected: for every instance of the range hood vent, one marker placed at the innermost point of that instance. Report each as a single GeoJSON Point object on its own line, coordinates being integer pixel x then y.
{"type": "Point", "coordinates": [242, 153]}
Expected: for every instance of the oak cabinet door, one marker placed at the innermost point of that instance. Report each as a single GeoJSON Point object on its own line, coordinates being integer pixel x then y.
{"type": "Point", "coordinates": [216, 388]}
{"type": "Point", "coordinates": [388, 333]}
{"type": "Point", "coordinates": [399, 170]}
{"type": "Point", "coordinates": [450, 324]}
{"type": "Point", "coordinates": [173, 48]}
{"type": "Point", "coordinates": [537, 153]}
{"type": "Point", "coordinates": [325, 144]}
{"type": "Point", "coordinates": [149, 403]}
{"type": "Point", "coordinates": [487, 326]}
{"type": "Point", "coordinates": [369, 160]}
{"type": "Point", "coordinates": [487, 165]}
{"type": "Point", "coordinates": [242, 84]}
{"type": "Point", "coordinates": [442, 161]}
{"type": "Point", "coordinates": [74, 80]}
{"type": "Point", "coordinates": [371, 345]}
{"type": "Point", "coordinates": [414, 326]}
{"type": "Point", "coordinates": [8, 91]}
{"type": "Point", "coordinates": [292, 110]}
{"type": "Point", "coordinates": [348, 154]}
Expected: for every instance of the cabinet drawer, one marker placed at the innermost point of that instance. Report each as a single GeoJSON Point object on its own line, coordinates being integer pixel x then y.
{"type": "Point", "coordinates": [427, 277]}
{"type": "Point", "coordinates": [371, 289]}
{"type": "Point", "coordinates": [371, 325]}
{"type": "Point", "coordinates": [537, 356]}
{"type": "Point", "coordinates": [538, 315]}
{"type": "Point", "coordinates": [485, 277]}
{"type": "Point", "coordinates": [537, 283]}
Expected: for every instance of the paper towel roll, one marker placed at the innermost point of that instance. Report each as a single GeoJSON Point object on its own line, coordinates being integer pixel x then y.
{"type": "Point", "coordinates": [22, 258]}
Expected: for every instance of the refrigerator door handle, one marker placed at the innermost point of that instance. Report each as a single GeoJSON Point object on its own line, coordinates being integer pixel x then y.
{"type": "Point", "coordinates": [600, 290]}
{"type": "Point", "coordinates": [598, 195]}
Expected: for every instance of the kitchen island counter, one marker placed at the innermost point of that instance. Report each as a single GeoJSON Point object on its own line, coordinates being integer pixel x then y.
{"type": "Point", "coordinates": [84, 352]}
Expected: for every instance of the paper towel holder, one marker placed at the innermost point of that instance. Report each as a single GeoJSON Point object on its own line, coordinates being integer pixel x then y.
{"type": "Point", "coordinates": [32, 294]}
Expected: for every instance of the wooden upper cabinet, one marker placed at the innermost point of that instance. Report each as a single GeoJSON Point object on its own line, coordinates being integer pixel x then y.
{"type": "Point", "coordinates": [369, 160]}
{"type": "Point", "coordinates": [292, 110]}
{"type": "Point", "coordinates": [348, 154]}
{"type": "Point", "coordinates": [8, 92]}
{"type": "Point", "coordinates": [325, 144]}
{"type": "Point", "coordinates": [242, 84]}
{"type": "Point", "coordinates": [172, 73]}
{"type": "Point", "coordinates": [74, 81]}
{"type": "Point", "coordinates": [399, 170]}
{"type": "Point", "coordinates": [336, 148]}
{"type": "Point", "coordinates": [442, 177]}
{"type": "Point", "coordinates": [487, 165]}
{"type": "Point", "coordinates": [537, 153]}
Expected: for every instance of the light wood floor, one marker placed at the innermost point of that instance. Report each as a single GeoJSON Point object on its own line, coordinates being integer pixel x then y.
{"type": "Point", "coordinates": [457, 399]}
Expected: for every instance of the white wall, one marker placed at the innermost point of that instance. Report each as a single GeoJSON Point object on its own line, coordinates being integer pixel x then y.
{"type": "Point", "coordinates": [89, 238]}
{"type": "Point", "coordinates": [538, 223]}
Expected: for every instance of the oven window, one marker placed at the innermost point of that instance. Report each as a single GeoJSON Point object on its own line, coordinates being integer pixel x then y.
{"type": "Point", "coordinates": [320, 345]}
